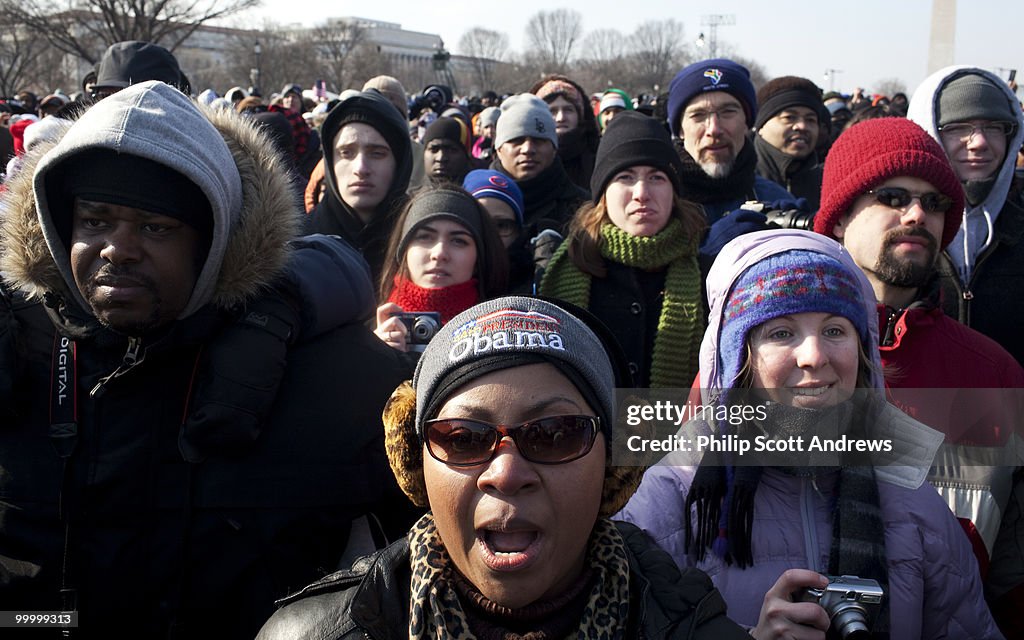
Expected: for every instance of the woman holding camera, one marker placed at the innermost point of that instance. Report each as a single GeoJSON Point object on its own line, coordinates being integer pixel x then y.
{"type": "Point", "coordinates": [631, 255]}
{"type": "Point", "coordinates": [793, 332]}
{"type": "Point", "coordinates": [443, 257]}
{"type": "Point", "coordinates": [507, 442]}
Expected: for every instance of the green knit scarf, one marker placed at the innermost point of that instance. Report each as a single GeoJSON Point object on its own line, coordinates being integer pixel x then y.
{"type": "Point", "coordinates": [681, 325]}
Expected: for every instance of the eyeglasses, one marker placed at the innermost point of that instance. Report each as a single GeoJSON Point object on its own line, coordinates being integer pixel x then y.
{"type": "Point", "coordinates": [900, 198]}
{"type": "Point", "coordinates": [461, 442]}
{"type": "Point", "coordinates": [728, 113]}
{"type": "Point", "coordinates": [506, 227]}
{"type": "Point", "coordinates": [964, 131]}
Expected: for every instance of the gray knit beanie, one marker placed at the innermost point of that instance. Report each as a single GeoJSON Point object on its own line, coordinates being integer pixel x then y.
{"type": "Point", "coordinates": [972, 97]}
{"type": "Point", "coordinates": [448, 203]}
{"type": "Point", "coordinates": [509, 332]}
{"type": "Point", "coordinates": [489, 116]}
{"type": "Point", "coordinates": [525, 115]}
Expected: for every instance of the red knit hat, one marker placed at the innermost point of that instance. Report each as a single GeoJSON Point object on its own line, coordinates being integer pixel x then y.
{"type": "Point", "coordinates": [869, 153]}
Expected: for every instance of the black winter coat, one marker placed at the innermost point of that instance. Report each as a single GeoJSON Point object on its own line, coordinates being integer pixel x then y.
{"type": "Point", "coordinates": [157, 546]}
{"type": "Point", "coordinates": [993, 304]}
{"type": "Point", "coordinates": [371, 601]}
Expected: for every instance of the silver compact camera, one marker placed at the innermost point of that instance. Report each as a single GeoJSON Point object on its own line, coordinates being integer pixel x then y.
{"type": "Point", "coordinates": [852, 604]}
{"type": "Point", "coordinates": [420, 327]}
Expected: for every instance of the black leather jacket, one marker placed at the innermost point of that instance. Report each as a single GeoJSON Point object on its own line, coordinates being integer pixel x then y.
{"type": "Point", "coordinates": [372, 599]}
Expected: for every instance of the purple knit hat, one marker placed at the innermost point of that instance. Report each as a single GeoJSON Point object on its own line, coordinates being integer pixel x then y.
{"type": "Point", "coordinates": [787, 283]}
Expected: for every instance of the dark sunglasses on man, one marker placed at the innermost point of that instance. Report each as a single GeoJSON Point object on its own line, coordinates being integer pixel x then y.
{"type": "Point", "coordinates": [900, 198]}
{"type": "Point", "coordinates": [461, 442]}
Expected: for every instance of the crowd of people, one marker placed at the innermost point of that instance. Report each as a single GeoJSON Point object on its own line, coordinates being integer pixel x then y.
{"type": "Point", "coordinates": [292, 366]}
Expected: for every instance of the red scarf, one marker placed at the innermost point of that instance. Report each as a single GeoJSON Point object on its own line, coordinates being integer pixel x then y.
{"type": "Point", "coordinates": [448, 301]}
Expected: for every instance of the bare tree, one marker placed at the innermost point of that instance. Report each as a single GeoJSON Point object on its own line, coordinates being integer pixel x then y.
{"type": "Point", "coordinates": [602, 61]}
{"type": "Point", "coordinates": [656, 51]}
{"type": "Point", "coordinates": [486, 48]}
{"type": "Point", "coordinates": [552, 36]}
{"type": "Point", "coordinates": [93, 25]}
{"type": "Point", "coordinates": [27, 61]}
{"type": "Point", "coordinates": [758, 74]}
{"type": "Point", "coordinates": [18, 49]}
{"type": "Point", "coordinates": [603, 45]}
{"type": "Point", "coordinates": [336, 42]}
{"type": "Point", "coordinates": [890, 87]}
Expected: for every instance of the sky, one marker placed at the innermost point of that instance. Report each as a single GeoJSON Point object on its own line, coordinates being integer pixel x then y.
{"type": "Point", "coordinates": [867, 41]}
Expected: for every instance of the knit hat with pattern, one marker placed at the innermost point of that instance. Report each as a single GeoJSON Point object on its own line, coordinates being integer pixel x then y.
{"type": "Point", "coordinates": [871, 152]}
{"type": "Point", "coordinates": [782, 284]}
{"type": "Point", "coordinates": [449, 129]}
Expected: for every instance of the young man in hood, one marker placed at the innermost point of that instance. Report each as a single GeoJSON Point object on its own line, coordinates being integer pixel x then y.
{"type": "Point", "coordinates": [978, 121]}
{"type": "Point", "coordinates": [367, 162]}
{"type": "Point", "coordinates": [131, 491]}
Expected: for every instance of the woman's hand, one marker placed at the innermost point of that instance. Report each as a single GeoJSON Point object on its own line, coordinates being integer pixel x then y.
{"type": "Point", "coordinates": [782, 618]}
{"type": "Point", "coordinates": [389, 328]}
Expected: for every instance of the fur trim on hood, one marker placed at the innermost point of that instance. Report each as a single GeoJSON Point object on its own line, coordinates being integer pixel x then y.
{"type": "Point", "coordinates": [255, 215]}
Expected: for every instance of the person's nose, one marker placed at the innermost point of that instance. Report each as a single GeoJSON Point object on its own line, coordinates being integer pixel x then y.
{"type": "Point", "coordinates": [528, 148]}
{"type": "Point", "coordinates": [977, 141]}
{"type": "Point", "coordinates": [641, 191]}
{"type": "Point", "coordinates": [439, 252]}
{"type": "Point", "coordinates": [121, 245]}
{"type": "Point", "coordinates": [914, 213]}
{"type": "Point", "coordinates": [508, 472]}
{"type": "Point", "coordinates": [810, 353]}
{"type": "Point", "coordinates": [360, 166]}
{"type": "Point", "coordinates": [713, 126]}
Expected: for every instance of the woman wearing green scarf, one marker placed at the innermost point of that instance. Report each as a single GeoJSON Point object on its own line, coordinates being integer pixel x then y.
{"type": "Point", "coordinates": [631, 256]}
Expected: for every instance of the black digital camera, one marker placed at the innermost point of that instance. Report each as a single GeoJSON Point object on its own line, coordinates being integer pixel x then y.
{"type": "Point", "coordinates": [782, 218]}
{"type": "Point", "coordinates": [420, 328]}
{"type": "Point", "coordinates": [852, 604]}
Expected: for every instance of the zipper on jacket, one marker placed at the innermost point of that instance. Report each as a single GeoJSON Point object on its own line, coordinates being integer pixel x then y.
{"type": "Point", "coordinates": [810, 530]}
{"type": "Point", "coordinates": [130, 360]}
{"type": "Point", "coordinates": [890, 327]}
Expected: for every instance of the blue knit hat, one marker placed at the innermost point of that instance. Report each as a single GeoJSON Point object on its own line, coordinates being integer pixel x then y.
{"type": "Point", "coordinates": [484, 183]}
{"type": "Point", "coordinates": [782, 284]}
{"type": "Point", "coordinates": [717, 74]}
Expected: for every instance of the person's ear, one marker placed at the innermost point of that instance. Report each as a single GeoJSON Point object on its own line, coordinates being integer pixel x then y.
{"type": "Point", "coordinates": [839, 230]}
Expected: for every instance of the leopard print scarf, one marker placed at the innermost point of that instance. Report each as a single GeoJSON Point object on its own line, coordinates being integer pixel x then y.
{"type": "Point", "coordinates": [435, 611]}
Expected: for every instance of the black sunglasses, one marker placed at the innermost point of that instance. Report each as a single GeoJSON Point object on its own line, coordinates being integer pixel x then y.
{"type": "Point", "coordinates": [460, 442]}
{"type": "Point", "coordinates": [900, 198]}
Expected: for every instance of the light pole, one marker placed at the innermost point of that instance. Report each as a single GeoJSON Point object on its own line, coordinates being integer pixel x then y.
{"type": "Point", "coordinates": [830, 75]}
{"type": "Point", "coordinates": [712, 22]}
{"type": "Point", "coordinates": [254, 73]}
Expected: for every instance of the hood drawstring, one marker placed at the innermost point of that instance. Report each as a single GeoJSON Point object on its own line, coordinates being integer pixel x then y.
{"type": "Point", "coordinates": [967, 270]}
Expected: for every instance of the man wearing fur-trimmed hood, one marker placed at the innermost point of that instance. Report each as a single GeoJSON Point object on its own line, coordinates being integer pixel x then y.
{"type": "Point", "coordinates": [978, 120]}
{"type": "Point", "coordinates": [131, 491]}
